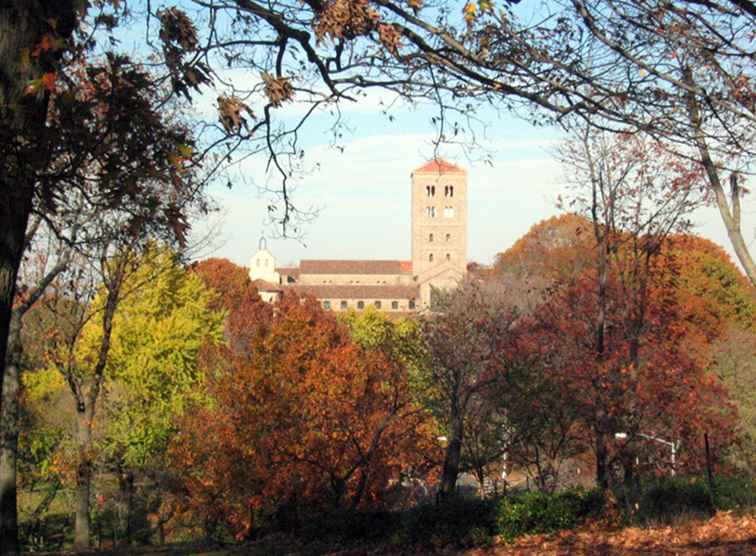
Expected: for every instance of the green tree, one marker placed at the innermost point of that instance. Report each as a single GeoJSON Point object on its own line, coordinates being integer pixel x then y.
{"type": "Point", "coordinates": [152, 371]}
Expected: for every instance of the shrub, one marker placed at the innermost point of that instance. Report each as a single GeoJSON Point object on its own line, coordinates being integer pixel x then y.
{"type": "Point", "coordinates": [665, 498]}
{"type": "Point", "coordinates": [350, 526]}
{"type": "Point", "coordinates": [538, 512]}
{"type": "Point", "coordinates": [459, 521]}
{"type": "Point", "coordinates": [734, 493]}
{"type": "Point", "coordinates": [48, 533]}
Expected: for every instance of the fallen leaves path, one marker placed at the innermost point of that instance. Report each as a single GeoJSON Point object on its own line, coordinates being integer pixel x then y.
{"type": "Point", "coordinates": [723, 534]}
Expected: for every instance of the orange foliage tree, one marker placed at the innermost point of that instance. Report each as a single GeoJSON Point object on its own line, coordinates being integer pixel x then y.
{"type": "Point", "coordinates": [237, 295]}
{"type": "Point", "coordinates": [302, 419]}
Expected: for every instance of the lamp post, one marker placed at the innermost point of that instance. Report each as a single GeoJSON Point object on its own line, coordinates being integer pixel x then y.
{"type": "Point", "coordinates": [673, 445]}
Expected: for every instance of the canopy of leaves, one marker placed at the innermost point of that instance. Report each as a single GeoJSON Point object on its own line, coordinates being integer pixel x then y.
{"type": "Point", "coordinates": [301, 418]}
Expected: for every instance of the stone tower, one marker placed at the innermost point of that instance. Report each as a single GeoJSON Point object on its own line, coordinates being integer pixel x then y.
{"type": "Point", "coordinates": [439, 226]}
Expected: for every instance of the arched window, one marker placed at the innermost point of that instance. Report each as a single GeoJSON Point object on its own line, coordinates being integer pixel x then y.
{"type": "Point", "coordinates": [411, 303]}
{"type": "Point", "coordinates": [326, 304]}
{"type": "Point", "coordinates": [430, 258]}
{"type": "Point", "coordinates": [430, 190]}
{"type": "Point", "coordinates": [344, 305]}
{"type": "Point", "coordinates": [433, 190]}
{"type": "Point", "coordinates": [377, 304]}
{"type": "Point", "coordinates": [430, 211]}
{"type": "Point", "coordinates": [394, 305]}
{"type": "Point", "coordinates": [448, 237]}
{"type": "Point", "coordinates": [360, 304]}
{"type": "Point", "coordinates": [448, 256]}
{"type": "Point", "coordinates": [430, 237]}
{"type": "Point", "coordinates": [449, 191]}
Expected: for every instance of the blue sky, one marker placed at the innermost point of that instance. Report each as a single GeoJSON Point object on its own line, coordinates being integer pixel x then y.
{"type": "Point", "coordinates": [362, 194]}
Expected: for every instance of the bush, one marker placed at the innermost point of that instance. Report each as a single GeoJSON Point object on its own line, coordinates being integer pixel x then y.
{"type": "Point", "coordinates": [459, 521]}
{"type": "Point", "coordinates": [665, 498]}
{"type": "Point", "coordinates": [49, 533]}
{"type": "Point", "coordinates": [351, 526]}
{"type": "Point", "coordinates": [538, 512]}
{"type": "Point", "coordinates": [734, 493]}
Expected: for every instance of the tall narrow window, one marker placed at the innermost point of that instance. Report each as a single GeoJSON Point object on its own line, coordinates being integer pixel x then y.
{"type": "Point", "coordinates": [344, 305]}
{"type": "Point", "coordinates": [430, 190]}
{"type": "Point", "coordinates": [430, 211]}
{"type": "Point", "coordinates": [448, 256]}
{"type": "Point", "coordinates": [430, 237]}
{"type": "Point", "coordinates": [411, 303]}
{"type": "Point", "coordinates": [360, 304]}
{"type": "Point", "coordinates": [448, 212]}
{"type": "Point", "coordinates": [430, 258]}
{"type": "Point", "coordinates": [394, 305]}
{"type": "Point", "coordinates": [448, 237]}
{"type": "Point", "coordinates": [448, 191]}
{"type": "Point", "coordinates": [377, 304]}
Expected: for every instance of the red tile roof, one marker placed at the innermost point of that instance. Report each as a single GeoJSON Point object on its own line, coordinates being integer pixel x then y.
{"type": "Point", "coordinates": [438, 166]}
{"type": "Point", "coordinates": [264, 286]}
{"type": "Point", "coordinates": [324, 266]}
{"type": "Point", "coordinates": [292, 271]}
{"type": "Point", "coordinates": [365, 293]}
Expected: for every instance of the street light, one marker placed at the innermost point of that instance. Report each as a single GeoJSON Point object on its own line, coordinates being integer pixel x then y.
{"type": "Point", "coordinates": [673, 445]}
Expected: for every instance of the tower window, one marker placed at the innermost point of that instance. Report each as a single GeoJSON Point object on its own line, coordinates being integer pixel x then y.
{"type": "Point", "coordinates": [430, 211]}
{"type": "Point", "coordinates": [360, 304]}
{"type": "Point", "coordinates": [394, 305]}
{"type": "Point", "coordinates": [448, 256]}
{"type": "Point", "coordinates": [430, 237]}
{"type": "Point", "coordinates": [430, 258]}
{"type": "Point", "coordinates": [377, 304]}
{"type": "Point", "coordinates": [448, 212]}
{"type": "Point", "coordinates": [344, 305]}
{"type": "Point", "coordinates": [448, 237]}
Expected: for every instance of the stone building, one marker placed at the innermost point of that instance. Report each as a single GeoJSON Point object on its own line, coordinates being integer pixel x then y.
{"type": "Point", "coordinates": [439, 255]}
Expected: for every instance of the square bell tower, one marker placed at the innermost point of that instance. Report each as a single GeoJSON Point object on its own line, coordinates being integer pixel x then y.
{"type": "Point", "coordinates": [439, 219]}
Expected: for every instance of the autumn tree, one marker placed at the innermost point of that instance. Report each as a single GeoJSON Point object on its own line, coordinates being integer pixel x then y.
{"type": "Point", "coordinates": [152, 373]}
{"type": "Point", "coordinates": [238, 296]}
{"type": "Point", "coordinates": [469, 340]}
{"type": "Point", "coordinates": [301, 420]}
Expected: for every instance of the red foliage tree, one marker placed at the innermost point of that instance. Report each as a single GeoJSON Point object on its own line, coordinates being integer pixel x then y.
{"type": "Point", "coordinates": [302, 418]}
{"type": "Point", "coordinates": [238, 295]}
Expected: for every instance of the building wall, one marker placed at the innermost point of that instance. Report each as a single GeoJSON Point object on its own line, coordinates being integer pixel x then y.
{"type": "Point", "coordinates": [362, 279]}
{"type": "Point", "coordinates": [335, 304]}
{"type": "Point", "coordinates": [439, 223]}
{"type": "Point", "coordinates": [263, 267]}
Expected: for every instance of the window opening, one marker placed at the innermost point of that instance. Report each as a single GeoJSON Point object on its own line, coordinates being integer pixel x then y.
{"type": "Point", "coordinates": [395, 305]}
{"type": "Point", "coordinates": [377, 304]}
{"type": "Point", "coordinates": [360, 304]}
{"type": "Point", "coordinates": [344, 304]}
{"type": "Point", "coordinates": [430, 258]}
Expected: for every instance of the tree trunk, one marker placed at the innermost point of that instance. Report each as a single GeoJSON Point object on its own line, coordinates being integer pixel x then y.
{"type": "Point", "coordinates": [729, 211]}
{"type": "Point", "coordinates": [9, 544]}
{"type": "Point", "coordinates": [452, 459]}
{"type": "Point", "coordinates": [82, 526]}
{"type": "Point", "coordinates": [602, 467]}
